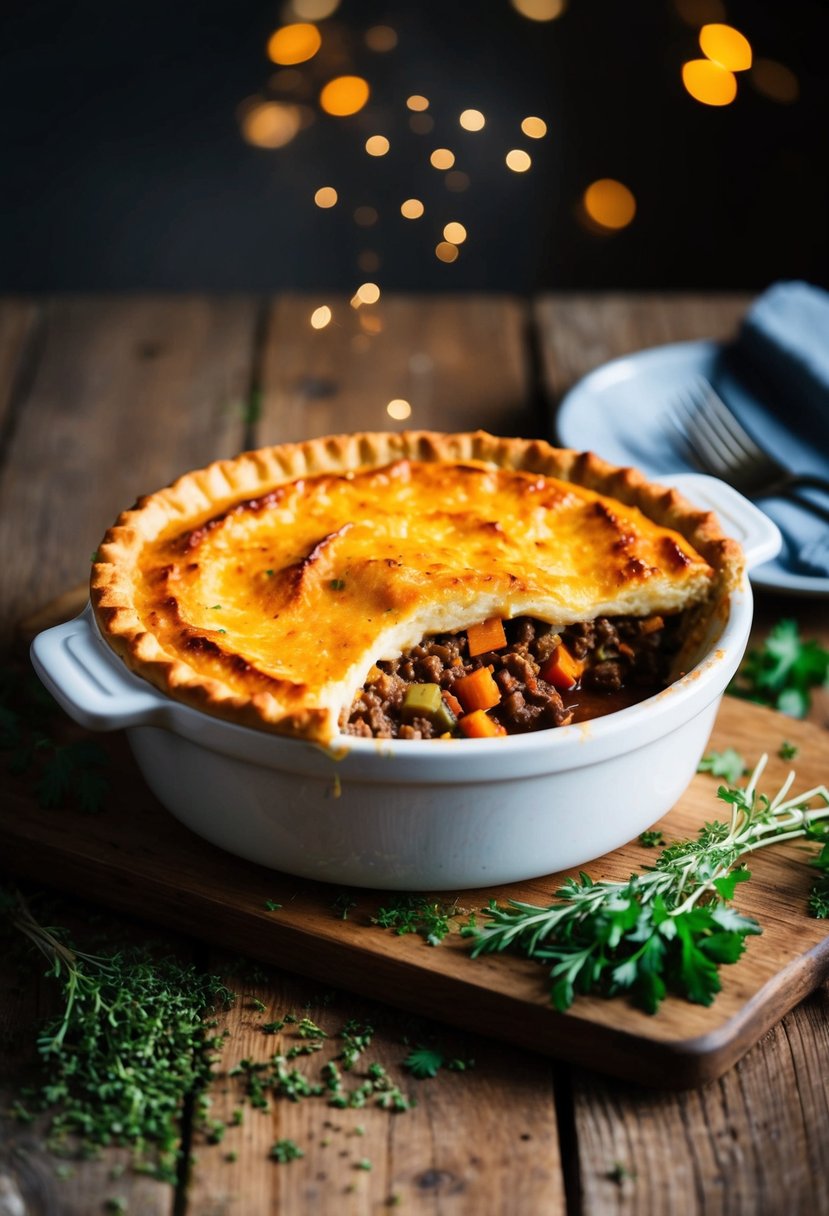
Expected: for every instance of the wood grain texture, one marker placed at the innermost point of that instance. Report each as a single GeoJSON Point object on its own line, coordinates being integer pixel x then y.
{"type": "Point", "coordinates": [126, 395]}
{"type": "Point", "coordinates": [577, 332]}
{"type": "Point", "coordinates": [144, 860]}
{"type": "Point", "coordinates": [484, 1140]}
{"type": "Point", "coordinates": [746, 1145]}
{"type": "Point", "coordinates": [459, 361]}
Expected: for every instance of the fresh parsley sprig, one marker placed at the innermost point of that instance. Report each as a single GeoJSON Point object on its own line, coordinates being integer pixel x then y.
{"type": "Point", "coordinates": [783, 671]}
{"type": "Point", "coordinates": [667, 929]}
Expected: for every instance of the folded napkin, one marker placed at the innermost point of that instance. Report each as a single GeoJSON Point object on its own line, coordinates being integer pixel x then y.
{"type": "Point", "coordinates": [775, 376]}
{"type": "Point", "coordinates": [782, 351]}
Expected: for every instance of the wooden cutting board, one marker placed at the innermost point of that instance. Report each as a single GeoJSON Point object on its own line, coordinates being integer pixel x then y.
{"type": "Point", "coordinates": [134, 857]}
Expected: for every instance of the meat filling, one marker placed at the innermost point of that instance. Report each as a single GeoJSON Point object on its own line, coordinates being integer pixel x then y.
{"type": "Point", "coordinates": [610, 663]}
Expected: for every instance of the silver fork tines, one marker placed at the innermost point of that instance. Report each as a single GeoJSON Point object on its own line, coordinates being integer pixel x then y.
{"type": "Point", "coordinates": [720, 445]}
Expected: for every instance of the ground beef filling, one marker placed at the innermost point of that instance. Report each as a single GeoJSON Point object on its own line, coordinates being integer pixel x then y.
{"type": "Point", "coordinates": [626, 659]}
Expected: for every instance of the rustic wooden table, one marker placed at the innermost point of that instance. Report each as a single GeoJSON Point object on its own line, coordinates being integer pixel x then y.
{"type": "Point", "coordinates": [102, 399]}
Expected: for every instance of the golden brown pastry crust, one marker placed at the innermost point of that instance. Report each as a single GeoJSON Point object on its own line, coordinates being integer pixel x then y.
{"type": "Point", "coordinates": [134, 587]}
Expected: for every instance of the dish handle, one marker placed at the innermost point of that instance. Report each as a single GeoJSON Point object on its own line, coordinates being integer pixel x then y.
{"type": "Point", "coordinates": [758, 535]}
{"type": "Point", "coordinates": [71, 661]}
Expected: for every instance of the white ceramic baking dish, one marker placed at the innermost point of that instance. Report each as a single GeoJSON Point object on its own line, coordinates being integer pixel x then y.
{"type": "Point", "coordinates": [418, 815]}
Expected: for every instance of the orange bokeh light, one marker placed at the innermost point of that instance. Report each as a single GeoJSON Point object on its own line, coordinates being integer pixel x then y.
{"type": "Point", "coordinates": [609, 203]}
{"type": "Point", "coordinates": [344, 95]}
{"type": "Point", "coordinates": [726, 46]}
{"type": "Point", "coordinates": [709, 83]}
{"type": "Point", "coordinates": [294, 43]}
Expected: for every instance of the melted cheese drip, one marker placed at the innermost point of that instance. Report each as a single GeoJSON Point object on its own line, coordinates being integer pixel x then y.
{"type": "Point", "coordinates": [295, 595]}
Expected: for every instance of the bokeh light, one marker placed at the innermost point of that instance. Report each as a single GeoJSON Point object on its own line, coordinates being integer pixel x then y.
{"type": "Point", "coordinates": [457, 181]}
{"type": "Point", "coordinates": [344, 95]}
{"type": "Point", "coordinates": [412, 209]}
{"type": "Point", "coordinates": [320, 317]}
{"type": "Point", "coordinates": [709, 83]}
{"type": "Point", "coordinates": [365, 217]}
{"type": "Point", "coordinates": [270, 124]}
{"type": "Point", "coordinates": [775, 81]}
{"type": "Point", "coordinates": [472, 120]}
{"type": "Point", "coordinates": [377, 145]}
{"type": "Point", "coordinates": [539, 10]}
{"type": "Point", "coordinates": [534, 128]}
{"type": "Point", "coordinates": [314, 10]}
{"type": "Point", "coordinates": [326, 197]}
{"type": "Point", "coordinates": [381, 38]}
{"type": "Point", "coordinates": [455, 233]}
{"type": "Point", "coordinates": [442, 158]}
{"type": "Point", "coordinates": [609, 203]}
{"type": "Point", "coordinates": [518, 160]}
{"type": "Point", "coordinates": [726, 46]}
{"type": "Point", "coordinates": [368, 293]}
{"type": "Point", "coordinates": [399, 409]}
{"type": "Point", "coordinates": [294, 43]}
{"type": "Point", "coordinates": [417, 102]}
{"type": "Point", "coordinates": [445, 251]}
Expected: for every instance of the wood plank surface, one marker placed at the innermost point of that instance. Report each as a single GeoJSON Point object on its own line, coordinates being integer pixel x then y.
{"type": "Point", "coordinates": [126, 395]}
{"type": "Point", "coordinates": [747, 1145]}
{"type": "Point", "coordinates": [480, 1140]}
{"type": "Point", "coordinates": [459, 361]}
{"type": "Point", "coordinates": [580, 331]}
{"type": "Point", "coordinates": [143, 859]}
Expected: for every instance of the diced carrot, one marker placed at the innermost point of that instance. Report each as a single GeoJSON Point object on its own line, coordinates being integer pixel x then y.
{"type": "Point", "coordinates": [479, 725]}
{"type": "Point", "coordinates": [477, 691]}
{"type": "Point", "coordinates": [489, 635]}
{"type": "Point", "coordinates": [562, 670]}
{"type": "Point", "coordinates": [652, 624]}
{"type": "Point", "coordinates": [627, 651]}
{"type": "Point", "coordinates": [453, 703]}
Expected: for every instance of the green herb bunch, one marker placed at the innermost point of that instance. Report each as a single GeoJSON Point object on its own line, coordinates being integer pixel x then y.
{"type": "Point", "coordinates": [129, 1047]}
{"type": "Point", "coordinates": [669, 928]}
{"type": "Point", "coordinates": [783, 671]}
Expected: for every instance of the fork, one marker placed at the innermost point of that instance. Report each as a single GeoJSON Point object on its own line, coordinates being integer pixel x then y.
{"type": "Point", "coordinates": [720, 445]}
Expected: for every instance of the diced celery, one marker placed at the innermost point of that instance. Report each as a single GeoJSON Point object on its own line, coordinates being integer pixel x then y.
{"type": "Point", "coordinates": [444, 719]}
{"type": "Point", "coordinates": [421, 701]}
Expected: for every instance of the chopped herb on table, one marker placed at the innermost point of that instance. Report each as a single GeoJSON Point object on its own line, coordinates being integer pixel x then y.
{"type": "Point", "coordinates": [416, 914]}
{"type": "Point", "coordinates": [728, 764]}
{"type": "Point", "coordinates": [671, 927]}
{"type": "Point", "coordinates": [286, 1150]}
{"type": "Point", "coordinates": [783, 671]}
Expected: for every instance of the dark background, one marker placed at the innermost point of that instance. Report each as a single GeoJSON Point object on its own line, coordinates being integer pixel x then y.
{"type": "Point", "coordinates": [124, 167]}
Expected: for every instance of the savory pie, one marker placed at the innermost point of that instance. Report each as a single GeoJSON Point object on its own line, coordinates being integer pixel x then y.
{"type": "Point", "coordinates": [320, 587]}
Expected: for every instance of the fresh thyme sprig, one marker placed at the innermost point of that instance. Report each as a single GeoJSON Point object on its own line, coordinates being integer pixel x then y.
{"type": "Point", "coordinates": [667, 929]}
{"type": "Point", "coordinates": [129, 1047]}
